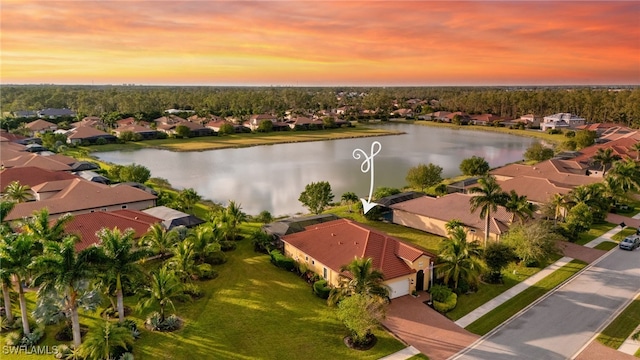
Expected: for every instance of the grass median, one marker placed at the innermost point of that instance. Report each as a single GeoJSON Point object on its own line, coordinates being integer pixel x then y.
{"type": "Point", "coordinates": [512, 306]}
{"type": "Point", "coordinates": [622, 326]}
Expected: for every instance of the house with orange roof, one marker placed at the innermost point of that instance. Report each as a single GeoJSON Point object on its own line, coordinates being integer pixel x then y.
{"type": "Point", "coordinates": [622, 147]}
{"type": "Point", "coordinates": [431, 214]}
{"type": "Point", "coordinates": [85, 226]}
{"type": "Point", "coordinates": [88, 134]}
{"type": "Point", "coordinates": [79, 196]}
{"type": "Point", "coordinates": [327, 246]}
{"type": "Point", "coordinates": [31, 176]}
{"type": "Point", "coordinates": [144, 132]}
{"type": "Point", "coordinates": [562, 173]}
{"type": "Point", "coordinates": [40, 127]}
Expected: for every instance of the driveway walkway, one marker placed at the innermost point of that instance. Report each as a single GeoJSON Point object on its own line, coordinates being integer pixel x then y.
{"type": "Point", "coordinates": [425, 329]}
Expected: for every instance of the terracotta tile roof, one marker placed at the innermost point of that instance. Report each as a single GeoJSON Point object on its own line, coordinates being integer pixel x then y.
{"type": "Point", "coordinates": [455, 206]}
{"type": "Point", "coordinates": [535, 189]}
{"type": "Point", "coordinates": [32, 176]}
{"type": "Point", "coordinates": [134, 128]}
{"type": "Point", "coordinates": [78, 195]}
{"type": "Point", "coordinates": [52, 163]}
{"type": "Point", "coordinates": [84, 132]}
{"type": "Point", "coordinates": [39, 125]}
{"type": "Point", "coordinates": [86, 225]}
{"type": "Point", "coordinates": [336, 243]}
{"type": "Point", "coordinates": [128, 121]}
{"type": "Point", "coordinates": [561, 172]}
{"type": "Point", "coordinates": [620, 147]}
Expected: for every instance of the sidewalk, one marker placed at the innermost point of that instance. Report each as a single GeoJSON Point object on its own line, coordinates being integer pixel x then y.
{"type": "Point", "coordinates": [604, 237]}
{"type": "Point", "coordinates": [402, 354]}
{"type": "Point", "coordinates": [500, 299]}
{"type": "Point", "coordinates": [630, 346]}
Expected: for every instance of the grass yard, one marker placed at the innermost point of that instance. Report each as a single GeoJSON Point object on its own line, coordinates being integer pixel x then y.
{"type": "Point", "coordinates": [622, 326]}
{"type": "Point", "coordinates": [607, 245]}
{"type": "Point", "coordinates": [595, 232]}
{"type": "Point", "coordinates": [623, 234]}
{"type": "Point", "coordinates": [253, 310]}
{"type": "Point", "coordinates": [245, 140]}
{"type": "Point", "coordinates": [503, 312]}
{"type": "Point", "coordinates": [555, 138]}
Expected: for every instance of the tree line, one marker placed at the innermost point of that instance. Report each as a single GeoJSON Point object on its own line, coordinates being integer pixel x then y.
{"type": "Point", "coordinates": [595, 104]}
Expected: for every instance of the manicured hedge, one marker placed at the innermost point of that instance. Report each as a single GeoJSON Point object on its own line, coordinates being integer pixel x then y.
{"type": "Point", "coordinates": [321, 289]}
{"type": "Point", "coordinates": [282, 261]}
{"type": "Point", "coordinates": [448, 305]}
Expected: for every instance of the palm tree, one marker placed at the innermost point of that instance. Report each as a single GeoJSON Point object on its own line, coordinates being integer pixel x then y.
{"type": "Point", "coordinates": [189, 197]}
{"type": "Point", "coordinates": [627, 173]}
{"type": "Point", "coordinates": [489, 196]}
{"type": "Point", "coordinates": [183, 262]}
{"type": "Point", "coordinates": [38, 225]}
{"type": "Point", "coordinates": [593, 196]}
{"type": "Point", "coordinates": [5, 209]}
{"type": "Point", "coordinates": [349, 198]}
{"type": "Point", "coordinates": [359, 277]}
{"type": "Point", "coordinates": [519, 206]}
{"type": "Point", "coordinates": [164, 287]}
{"type": "Point", "coordinates": [60, 269]}
{"type": "Point", "coordinates": [16, 253]}
{"type": "Point", "coordinates": [205, 241]}
{"type": "Point", "coordinates": [460, 259]}
{"type": "Point", "coordinates": [18, 192]}
{"type": "Point", "coordinates": [559, 205]}
{"type": "Point", "coordinates": [236, 217]}
{"type": "Point", "coordinates": [605, 157]}
{"type": "Point", "coordinates": [119, 260]}
{"type": "Point", "coordinates": [5, 280]}
{"type": "Point", "coordinates": [101, 343]}
{"type": "Point", "coordinates": [636, 147]}
{"type": "Point", "coordinates": [159, 240]}
{"type": "Point", "coordinates": [452, 225]}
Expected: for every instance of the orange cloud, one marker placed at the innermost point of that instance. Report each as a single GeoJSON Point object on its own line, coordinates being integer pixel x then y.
{"type": "Point", "coordinates": [320, 43]}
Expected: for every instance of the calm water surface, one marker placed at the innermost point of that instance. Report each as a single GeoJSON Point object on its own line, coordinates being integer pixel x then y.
{"type": "Point", "coordinates": [272, 177]}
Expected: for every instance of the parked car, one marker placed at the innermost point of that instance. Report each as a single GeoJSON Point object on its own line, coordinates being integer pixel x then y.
{"type": "Point", "coordinates": [630, 242]}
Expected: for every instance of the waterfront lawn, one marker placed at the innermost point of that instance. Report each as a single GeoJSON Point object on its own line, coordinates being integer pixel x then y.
{"type": "Point", "coordinates": [595, 232]}
{"type": "Point", "coordinates": [252, 310]}
{"type": "Point", "coordinates": [555, 138]}
{"type": "Point", "coordinates": [512, 306]}
{"type": "Point", "coordinates": [622, 326]}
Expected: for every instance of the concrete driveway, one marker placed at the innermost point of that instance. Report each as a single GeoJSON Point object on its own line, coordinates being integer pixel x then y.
{"type": "Point", "coordinates": [427, 330]}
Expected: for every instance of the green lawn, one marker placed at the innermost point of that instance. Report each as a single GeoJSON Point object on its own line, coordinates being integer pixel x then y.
{"type": "Point", "coordinates": [555, 138]}
{"type": "Point", "coordinates": [595, 232]}
{"type": "Point", "coordinates": [252, 310]}
{"type": "Point", "coordinates": [623, 234]}
{"type": "Point", "coordinates": [419, 357]}
{"type": "Point", "coordinates": [512, 306]}
{"type": "Point", "coordinates": [607, 245]}
{"type": "Point", "coordinates": [244, 140]}
{"type": "Point", "coordinates": [622, 326]}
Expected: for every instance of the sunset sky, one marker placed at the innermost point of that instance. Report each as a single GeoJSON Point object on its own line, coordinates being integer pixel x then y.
{"type": "Point", "coordinates": [320, 43]}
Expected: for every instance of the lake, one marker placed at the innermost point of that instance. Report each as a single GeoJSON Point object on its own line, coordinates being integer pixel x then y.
{"type": "Point", "coordinates": [272, 177]}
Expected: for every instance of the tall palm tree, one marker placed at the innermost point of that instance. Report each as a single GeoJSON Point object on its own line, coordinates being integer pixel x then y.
{"type": "Point", "coordinates": [359, 277]}
{"type": "Point", "coordinates": [489, 197]}
{"type": "Point", "coordinates": [460, 259]}
{"type": "Point", "coordinates": [627, 174]}
{"type": "Point", "coordinates": [349, 198]}
{"type": "Point", "coordinates": [559, 205]}
{"type": "Point", "coordinates": [104, 340]}
{"type": "Point", "coordinates": [206, 240]}
{"type": "Point", "coordinates": [605, 156]}
{"type": "Point", "coordinates": [119, 260]}
{"type": "Point", "coordinates": [62, 270]}
{"type": "Point", "coordinates": [5, 209]}
{"type": "Point", "coordinates": [5, 281]}
{"type": "Point", "coordinates": [164, 287]}
{"type": "Point", "coordinates": [593, 196]}
{"type": "Point", "coordinates": [16, 254]}
{"type": "Point", "coordinates": [183, 262]}
{"type": "Point", "coordinates": [159, 240]}
{"type": "Point", "coordinates": [519, 206]}
{"type": "Point", "coordinates": [17, 192]}
{"type": "Point", "coordinates": [236, 217]}
{"type": "Point", "coordinates": [189, 197]}
{"type": "Point", "coordinates": [38, 225]}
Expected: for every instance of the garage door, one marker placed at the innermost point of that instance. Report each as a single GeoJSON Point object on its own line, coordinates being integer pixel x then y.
{"type": "Point", "coordinates": [398, 288]}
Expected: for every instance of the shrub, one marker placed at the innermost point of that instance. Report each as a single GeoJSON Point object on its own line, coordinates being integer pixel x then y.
{"type": "Point", "coordinates": [440, 292]}
{"type": "Point", "coordinates": [282, 261]}
{"type": "Point", "coordinates": [321, 289]}
{"type": "Point", "coordinates": [192, 290]}
{"type": "Point", "coordinates": [132, 326]}
{"type": "Point", "coordinates": [101, 141]}
{"type": "Point", "coordinates": [206, 272]}
{"type": "Point", "coordinates": [227, 245]}
{"type": "Point", "coordinates": [216, 258]}
{"type": "Point", "coordinates": [447, 305]}
{"type": "Point", "coordinates": [171, 323]}
{"type": "Point", "coordinates": [153, 322]}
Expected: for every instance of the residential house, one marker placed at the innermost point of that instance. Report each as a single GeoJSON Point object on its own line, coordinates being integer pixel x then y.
{"type": "Point", "coordinates": [40, 127]}
{"type": "Point", "coordinates": [562, 121]}
{"type": "Point", "coordinates": [88, 134]}
{"type": "Point", "coordinates": [432, 214]}
{"type": "Point", "coordinates": [79, 196]}
{"type": "Point", "coordinates": [255, 120]}
{"type": "Point", "coordinates": [562, 173]}
{"type": "Point", "coordinates": [31, 176]}
{"type": "Point", "coordinates": [485, 119]}
{"type": "Point", "coordinates": [622, 147]}
{"type": "Point", "coordinates": [215, 125]}
{"type": "Point", "coordinates": [25, 114]}
{"type": "Point", "coordinates": [53, 113]}
{"type": "Point", "coordinates": [326, 247]}
{"type": "Point", "coordinates": [442, 116]}
{"type": "Point", "coordinates": [292, 225]}
{"type": "Point", "coordinates": [144, 132]}
{"type": "Point", "coordinates": [528, 120]}
{"type": "Point", "coordinates": [15, 155]}
{"type": "Point", "coordinates": [598, 128]}
{"type": "Point", "coordinates": [85, 226]}
{"type": "Point", "coordinates": [403, 113]}
{"type": "Point", "coordinates": [302, 122]}
{"type": "Point", "coordinates": [126, 122]}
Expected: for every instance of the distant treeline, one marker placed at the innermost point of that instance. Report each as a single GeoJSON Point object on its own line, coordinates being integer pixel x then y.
{"type": "Point", "coordinates": [596, 104]}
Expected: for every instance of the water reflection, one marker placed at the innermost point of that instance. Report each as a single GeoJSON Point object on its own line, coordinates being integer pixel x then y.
{"type": "Point", "coordinates": [272, 177]}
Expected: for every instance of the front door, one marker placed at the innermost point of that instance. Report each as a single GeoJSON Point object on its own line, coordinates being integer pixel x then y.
{"type": "Point", "coordinates": [420, 281]}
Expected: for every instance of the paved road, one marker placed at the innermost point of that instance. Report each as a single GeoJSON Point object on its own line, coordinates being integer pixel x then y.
{"type": "Point", "coordinates": [560, 325]}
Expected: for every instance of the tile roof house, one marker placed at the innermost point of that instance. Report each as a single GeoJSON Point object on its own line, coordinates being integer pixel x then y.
{"type": "Point", "coordinates": [31, 176]}
{"type": "Point", "coordinates": [91, 121]}
{"type": "Point", "coordinates": [79, 196]}
{"type": "Point", "coordinates": [431, 214]}
{"type": "Point", "coordinates": [13, 155]}
{"type": "Point", "coordinates": [40, 126]}
{"type": "Point", "coordinates": [622, 147]}
{"type": "Point", "coordinates": [328, 246]}
{"type": "Point", "coordinates": [85, 226]}
{"type": "Point", "coordinates": [144, 132]}
{"type": "Point", "coordinates": [88, 134]}
{"type": "Point", "coordinates": [562, 173]}
{"type": "Point", "coordinates": [562, 121]}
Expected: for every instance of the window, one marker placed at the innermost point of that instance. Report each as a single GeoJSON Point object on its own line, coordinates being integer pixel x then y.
{"type": "Point", "coordinates": [324, 273]}
{"type": "Point", "coordinates": [103, 209]}
{"type": "Point", "coordinates": [313, 262]}
{"type": "Point", "coordinates": [124, 206]}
